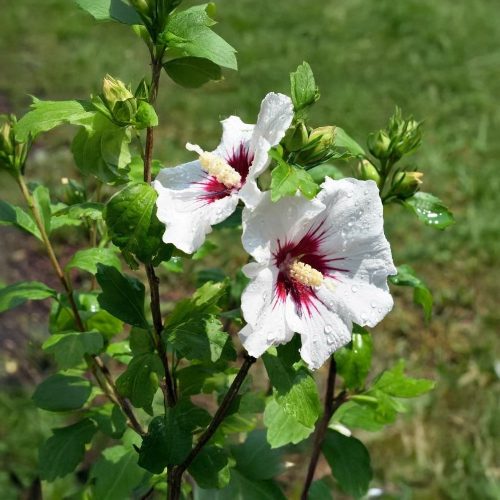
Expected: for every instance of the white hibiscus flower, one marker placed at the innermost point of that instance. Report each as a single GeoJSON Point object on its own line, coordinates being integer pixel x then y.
{"type": "Point", "coordinates": [320, 266]}
{"type": "Point", "coordinates": [194, 196]}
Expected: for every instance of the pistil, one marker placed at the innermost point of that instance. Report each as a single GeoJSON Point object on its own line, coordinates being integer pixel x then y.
{"type": "Point", "coordinates": [305, 274]}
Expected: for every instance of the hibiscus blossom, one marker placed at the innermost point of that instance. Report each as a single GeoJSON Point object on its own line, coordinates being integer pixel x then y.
{"type": "Point", "coordinates": [319, 266]}
{"type": "Point", "coordinates": [194, 196]}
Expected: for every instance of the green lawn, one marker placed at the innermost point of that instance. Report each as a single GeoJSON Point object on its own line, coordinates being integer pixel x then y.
{"type": "Point", "coordinates": [439, 61]}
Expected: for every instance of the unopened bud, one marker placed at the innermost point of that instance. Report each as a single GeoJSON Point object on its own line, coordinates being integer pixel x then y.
{"type": "Point", "coordinates": [318, 148]}
{"type": "Point", "coordinates": [407, 183]}
{"type": "Point", "coordinates": [379, 144]}
{"type": "Point", "coordinates": [115, 91]}
{"type": "Point", "coordinates": [141, 6]}
{"type": "Point", "coordinates": [6, 139]}
{"type": "Point", "coordinates": [296, 137]}
{"type": "Point", "coordinates": [368, 172]}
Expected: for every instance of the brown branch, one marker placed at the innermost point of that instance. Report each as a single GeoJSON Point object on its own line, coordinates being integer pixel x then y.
{"type": "Point", "coordinates": [94, 363]}
{"type": "Point", "coordinates": [331, 405]}
{"type": "Point", "coordinates": [176, 472]}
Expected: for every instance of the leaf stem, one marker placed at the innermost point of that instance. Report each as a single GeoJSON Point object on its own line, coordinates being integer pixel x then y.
{"type": "Point", "coordinates": [331, 405]}
{"type": "Point", "coordinates": [176, 472]}
{"type": "Point", "coordinates": [95, 363]}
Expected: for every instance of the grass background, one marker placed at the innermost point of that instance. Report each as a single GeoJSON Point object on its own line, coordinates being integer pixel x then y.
{"type": "Point", "coordinates": [439, 61]}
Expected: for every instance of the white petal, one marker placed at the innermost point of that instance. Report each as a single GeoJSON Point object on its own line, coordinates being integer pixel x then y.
{"type": "Point", "coordinates": [250, 193]}
{"type": "Point", "coordinates": [234, 133]}
{"type": "Point", "coordinates": [322, 333]}
{"type": "Point", "coordinates": [267, 325]}
{"type": "Point", "coordinates": [269, 222]}
{"type": "Point", "coordinates": [188, 218]}
{"type": "Point", "coordinates": [275, 116]}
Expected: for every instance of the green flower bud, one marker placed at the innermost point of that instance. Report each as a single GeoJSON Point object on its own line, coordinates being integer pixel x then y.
{"type": "Point", "coordinates": [13, 154]}
{"type": "Point", "coordinates": [296, 137]}
{"type": "Point", "coordinates": [318, 148]}
{"type": "Point", "coordinates": [367, 172]}
{"type": "Point", "coordinates": [407, 183]}
{"type": "Point", "coordinates": [379, 144]}
{"type": "Point", "coordinates": [115, 91]}
{"type": "Point", "coordinates": [6, 138]}
{"type": "Point", "coordinates": [141, 6]}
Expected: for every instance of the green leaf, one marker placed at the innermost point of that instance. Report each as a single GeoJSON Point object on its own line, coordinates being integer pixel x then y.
{"type": "Point", "coordinates": [107, 10]}
{"type": "Point", "coordinates": [210, 469]}
{"type": "Point", "coordinates": [192, 72]}
{"type": "Point", "coordinates": [283, 428]}
{"type": "Point", "coordinates": [110, 420]}
{"type": "Point", "coordinates": [62, 393]}
{"type": "Point", "coordinates": [365, 416]}
{"type": "Point", "coordinates": [139, 382]}
{"type": "Point", "coordinates": [12, 215]}
{"type": "Point", "coordinates": [421, 294]}
{"type": "Point", "coordinates": [122, 296]}
{"type": "Point", "coordinates": [287, 179]}
{"type": "Point", "coordinates": [303, 87]}
{"type": "Point", "coordinates": [17, 294]}
{"type": "Point", "coordinates": [41, 198]}
{"type": "Point", "coordinates": [141, 341]}
{"type": "Point", "coordinates": [354, 360]}
{"type": "Point", "coordinates": [87, 210]}
{"type": "Point", "coordinates": [64, 450]}
{"type": "Point", "coordinates": [295, 389]}
{"type": "Point", "coordinates": [101, 148]}
{"type": "Point", "coordinates": [320, 490]}
{"type": "Point", "coordinates": [319, 173]}
{"type": "Point", "coordinates": [146, 116]}
{"type": "Point", "coordinates": [69, 348]}
{"type": "Point", "coordinates": [46, 115]}
{"type": "Point", "coordinates": [189, 32]}
{"type": "Point", "coordinates": [255, 458]}
{"type": "Point", "coordinates": [132, 222]}
{"type": "Point", "coordinates": [395, 383]}
{"type": "Point", "coordinates": [430, 210]}
{"type": "Point", "coordinates": [116, 474]}
{"type": "Point", "coordinates": [89, 258]}
{"type": "Point", "coordinates": [349, 461]}
{"type": "Point", "coordinates": [345, 141]}
{"type": "Point", "coordinates": [166, 443]}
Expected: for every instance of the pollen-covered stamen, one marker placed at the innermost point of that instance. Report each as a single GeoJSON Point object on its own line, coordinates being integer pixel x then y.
{"type": "Point", "coordinates": [305, 274]}
{"type": "Point", "coordinates": [217, 167]}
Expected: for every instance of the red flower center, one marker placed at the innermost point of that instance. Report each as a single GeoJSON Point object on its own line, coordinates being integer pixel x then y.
{"type": "Point", "coordinates": [308, 251]}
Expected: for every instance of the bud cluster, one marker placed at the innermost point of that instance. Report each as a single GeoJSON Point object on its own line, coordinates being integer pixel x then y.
{"type": "Point", "coordinates": [401, 137]}
{"type": "Point", "coordinates": [154, 14]}
{"type": "Point", "coordinates": [309, 147]}
{"type": "Point", "coordinates": [12, 153]}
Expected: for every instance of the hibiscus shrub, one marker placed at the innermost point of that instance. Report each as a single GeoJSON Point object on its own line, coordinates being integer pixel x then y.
{"type": "Point", "coordinates": [163, 400]}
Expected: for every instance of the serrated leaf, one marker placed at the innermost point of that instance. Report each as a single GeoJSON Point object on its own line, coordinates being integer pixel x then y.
{"type": "Point", "coordinates": [107, 10]}
{"type": "Point", "coordinates": [286, 180]}
{"type": "Point", "coordinates": [17, 294]}
{"type": "Point", "coordinates": [139, 382]}
{"type": "Point", "coordinates": [210, 469]}
{"type": "Point", "coordinates": [430, 210]}
{"type": "Point", "coordinates": [62, 393]}
{"type": "Point", "coordinates": [64, 450]}
{"type": "Point", "coordinates": [283, 428]}
{"type": "Point", "coordinates": [189, 32]}
{"type": "Point", "coordinates": [89, 258]}
{"type": "Point", "coordinates": [15, 216]}
{"type": "Point", "coordinates": [192, 72]}
{"type": "Point", "coordinates": [421, 294]}
{"type": "Point", "coordinates": [132, 222]}
{"type": "Point", "coordinates": [395, 383]}
{"type": "Point", "coordinates": [354, 360]}
{"type": "Point", "coordinates": [101, 148]}
{"type": "Point", "coordinates": [122, 296]}
{"type": "Point", "coordinates": [304, 90]}
{"type": "Point", "coordinates": [69, 348]}
{"type": "Point", "coordinates": [116, 474]}
{"type": "Point", "coordinates": [349, 461]}
{"type": "Point", "coordinates": [46, 115]}
{"type": "Point", "coordinates": [295, 389]}
{"type": "Point", "coordinates": [319, 173]}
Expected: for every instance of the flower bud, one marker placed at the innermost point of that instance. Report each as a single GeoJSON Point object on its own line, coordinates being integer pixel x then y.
{"type": "Point", "coordinates": [141, 6]}
{"type": "Point", "coordinates": [407, 183]}
{"type": "Point", "coordinates": [296, 137]}
{"type": "Point", "coordinates": [318, 148]}
{"type": "Point", "coordinates": [115, 91]}
{"type": "Point", "coordinates": [367, 172]}
{"type": "Point", "coordinates": [379, 144]}
{"type": "Point", "coordinates": [6, 138]}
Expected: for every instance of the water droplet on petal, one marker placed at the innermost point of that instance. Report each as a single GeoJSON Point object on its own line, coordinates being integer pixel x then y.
{"type": "Point", "coordinates": [364, 317]}
{"type": "Point", "coordinates": [373, 305]}
{"type": "Point", "coordinates": [380, 310]}
{"type": "Point", "coordinates": [365, 192]}
{"type": "Point", "coordinates": [328, 329]}
{"type": "Point", "coordinates": [354, 288]}
{"type": "Point", "coordinates": [349, 194]}
{"type": "Point", "coordinates": [330, 339]}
